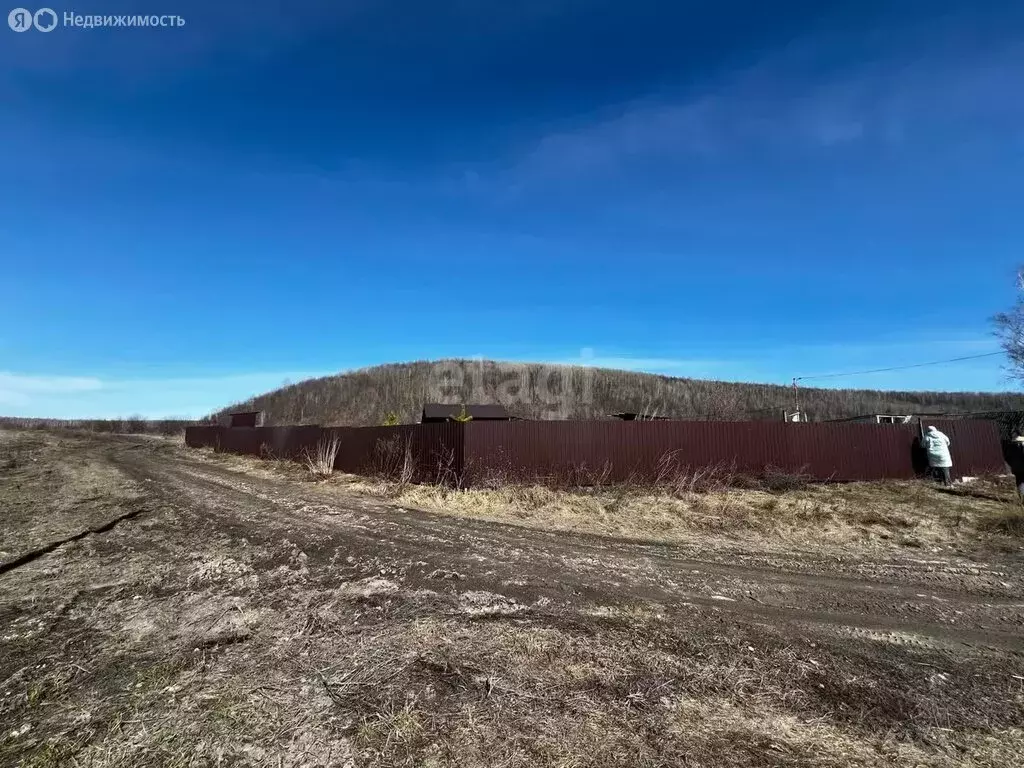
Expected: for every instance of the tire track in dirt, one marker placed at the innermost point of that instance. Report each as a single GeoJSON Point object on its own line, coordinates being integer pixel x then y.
{"type": "Point", "coordinates": [531, 565]}
{"type": "Point", "coordinates": [417, 525]}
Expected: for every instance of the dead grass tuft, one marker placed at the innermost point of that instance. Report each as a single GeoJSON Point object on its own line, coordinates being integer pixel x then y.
{"type": "Point", "coordinates": [320, 461]}
{"type": "Point", "coordinates": [681, 480]}
{"type": "Point", "coordinates": [778, 480]}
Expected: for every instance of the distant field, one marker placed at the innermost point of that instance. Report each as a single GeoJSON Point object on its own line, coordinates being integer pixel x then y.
{"type": "Point", "coordinates": [131, 426]}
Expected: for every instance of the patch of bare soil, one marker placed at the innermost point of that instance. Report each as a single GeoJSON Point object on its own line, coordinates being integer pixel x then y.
{"type": "Point", "coordinates": [242, 618]}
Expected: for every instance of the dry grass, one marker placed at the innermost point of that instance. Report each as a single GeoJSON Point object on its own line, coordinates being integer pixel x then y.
{"type": "Point", "coordinates": [630, 687]}
{"type": "Point", "coordinates": [859, 515]}
{"type": "Point", "coordinates": [320, 461]}
{"type": "Point", "coordinates": [687, 506]}
{"type": "Point", "coordinates": [1009, 522]}
{"type": "Point", "coordinates": [198, 636]}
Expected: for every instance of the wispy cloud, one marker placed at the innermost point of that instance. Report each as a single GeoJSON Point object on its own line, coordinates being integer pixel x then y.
{"type": "Point", "coordinates": [108, 397]}
{"type": "Point", "coordinates": [18, 390]}
{"type": "Point", "coordinates": [779, 364]}
{"type": "Point", "coordinates": [673, 366]}
{"type": "Point", "coordinates": [781, 104]}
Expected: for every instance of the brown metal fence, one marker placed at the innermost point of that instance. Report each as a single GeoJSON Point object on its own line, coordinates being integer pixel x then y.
{"type": "Point", "coordinates": [432, 451]}
{"type": "Point", "coordinates": [620, 450]}
{"type": "Point", "coordinates": [614, 451]}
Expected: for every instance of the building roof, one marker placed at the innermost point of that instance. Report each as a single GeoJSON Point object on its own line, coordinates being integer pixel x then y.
{"type": "Point", "coordinates": [443, 411]}
{"type": "Point", "coordinates": [915, 415]}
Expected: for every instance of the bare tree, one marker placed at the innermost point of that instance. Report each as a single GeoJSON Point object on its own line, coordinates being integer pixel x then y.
{"type": "Point", "coordinates": [1010, 330]}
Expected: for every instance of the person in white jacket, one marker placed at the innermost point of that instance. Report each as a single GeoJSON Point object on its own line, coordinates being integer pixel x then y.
{"type": "Point", "coordinates": [937, 446]}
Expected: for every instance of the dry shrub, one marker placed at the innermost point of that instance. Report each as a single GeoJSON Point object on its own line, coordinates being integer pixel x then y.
{"type": "Point", "coordinates": [320, 461]}
{"type": "Point", "coordinates": [393, 460]}
{"type": "Point", "coordinates": [582, 477]}
{"type": "Point", "coordinates": [447, 475]}
{"type": "Point", "coordinates": [683, 480]}
{"type": "Point", "coordinates": [394, 464]}
{"type": "Point", "coordinates": [671, 477]}
{"type": "Point", "coordinates": [776, 480]}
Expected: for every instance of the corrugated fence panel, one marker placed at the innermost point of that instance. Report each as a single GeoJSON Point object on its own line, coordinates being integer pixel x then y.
{"type": "Point", "coordinates": [615, 451]}
{"type": "Point", "coordinates": [201, 437]}
{"type": "Point", "coordinates": [434, 450]}
{"type": "Point", "coordinates": [850, 451]}
{"type": "Point", "coordinates": [246, 440]}
{"type": "Point", "coordinates": [293, 442]}
{"type": "Point", "coordinates": [974, 445]}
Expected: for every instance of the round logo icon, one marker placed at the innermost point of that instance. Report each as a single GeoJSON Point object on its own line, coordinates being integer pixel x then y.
{"type": "Point", "coordinates": [20, 20]}
{"type": "Point", "coordinates": [45, 19]}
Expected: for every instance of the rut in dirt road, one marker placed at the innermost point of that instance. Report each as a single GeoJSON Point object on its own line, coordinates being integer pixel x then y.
{"type": "Point", "coordinates": [35, 554]}
{"type": "Point", "coordinates": [527, 565]}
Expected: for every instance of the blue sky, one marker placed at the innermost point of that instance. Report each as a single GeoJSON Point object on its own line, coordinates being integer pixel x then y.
{"type": "Point", "coordinates": [736, 190]}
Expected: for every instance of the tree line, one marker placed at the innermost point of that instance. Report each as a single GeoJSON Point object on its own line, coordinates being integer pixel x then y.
{"type": "Point", "coordinates": [535, 391]}
{"type": "Point", "coordinates": [133, 425]}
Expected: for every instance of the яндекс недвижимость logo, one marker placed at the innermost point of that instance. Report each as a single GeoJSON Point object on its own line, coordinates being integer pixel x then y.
{"type": "Point", "coordinates": [46, 20]}
{"type": "Point", "coordinates": [22, 19]}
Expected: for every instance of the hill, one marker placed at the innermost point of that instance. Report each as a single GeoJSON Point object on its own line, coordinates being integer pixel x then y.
{"type": "Point", "coordinates": [541, 391]}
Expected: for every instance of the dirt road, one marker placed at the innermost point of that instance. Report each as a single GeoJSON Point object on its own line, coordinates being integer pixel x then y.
{"type": "Point", "coordinates": [222, 616]}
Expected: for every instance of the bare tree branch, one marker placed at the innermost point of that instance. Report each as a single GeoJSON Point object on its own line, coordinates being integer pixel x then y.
{"type": "Point", "coordinates": [1010, 330]}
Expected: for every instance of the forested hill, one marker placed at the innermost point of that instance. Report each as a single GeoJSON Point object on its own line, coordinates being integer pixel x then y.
{"type": "Point", "coordinates": [365, 396]}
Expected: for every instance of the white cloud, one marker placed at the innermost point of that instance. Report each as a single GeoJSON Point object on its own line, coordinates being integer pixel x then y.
{"type": "Point", "coordinates": [19, 391]}
{"type": "Point", "coordinates": [13, 382]}
{"type": "Point", "coordinates": [72, 397]}
{"type": "Point", "coordinates": [778, 364]}
{"type": "Point", "coordinates": [890, 101]}
{"type": "Point", "coordinates": [674, 366]}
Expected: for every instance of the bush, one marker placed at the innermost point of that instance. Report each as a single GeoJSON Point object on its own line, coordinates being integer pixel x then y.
{"type": "Point", "coordinates": [320, 461]}
{"type": "Point", "coordinates": [681, 480]}
{"type": "Point", "coordinates": [393, 459]}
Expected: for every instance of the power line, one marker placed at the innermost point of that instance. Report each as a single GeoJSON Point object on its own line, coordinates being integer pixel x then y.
{"type": "Point", "coordinates": [897, 367]}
